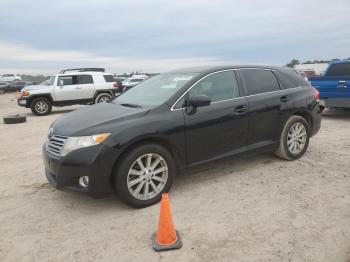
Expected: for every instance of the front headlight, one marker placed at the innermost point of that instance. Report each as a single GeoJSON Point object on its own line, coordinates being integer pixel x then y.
{"type": "Point", "coordinates": [25, 93]}
{"type": "Point", "coordinates": [75, 143]}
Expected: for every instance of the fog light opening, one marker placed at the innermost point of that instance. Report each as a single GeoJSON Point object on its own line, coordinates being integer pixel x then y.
{"type": "Point", "coordinates": [84, 181]}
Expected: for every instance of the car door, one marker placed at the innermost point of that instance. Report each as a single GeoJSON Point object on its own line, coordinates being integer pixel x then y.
{"type": "Point", "coordinates": [68, 91]}
{"type": "Point", "coordinates": [268, 106]}
{"type": "Point", "coordinates": [75, 87]}
{"type": "Point", "coordinates": [218, 129]}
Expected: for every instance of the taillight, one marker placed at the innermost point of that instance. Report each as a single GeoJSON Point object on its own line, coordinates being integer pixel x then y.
{"type": "Point", "coordinates": [115, 85]}
{"type": "Point", "coordinates": [316, 94]}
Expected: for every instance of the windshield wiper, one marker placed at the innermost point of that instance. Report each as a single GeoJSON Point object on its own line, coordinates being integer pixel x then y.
{"type": "Point", "coordinates": [131, 105]}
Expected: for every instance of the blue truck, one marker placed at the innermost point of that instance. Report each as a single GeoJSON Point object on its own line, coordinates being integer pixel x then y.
{"type": "Point", "coordinates": [334, 85]}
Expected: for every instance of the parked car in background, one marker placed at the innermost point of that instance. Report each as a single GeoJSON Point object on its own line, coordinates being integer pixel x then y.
{"type": "Point", "coordinates": [334, 85]}
{"type": "Point", "coordinates": [15, 86]}
{"type": "Point", "coordinates": [3, 87]}
{"type": "Point", "coordinates": [119, 83]}
{"type": "Point", "coordinates": [9, 78]}
{"type": "Point", "coordinates": [69, 87]}
{"type": "Point", "coordinates": [174, 121]}
{"type": "Point", "coordinates": [133, 81]}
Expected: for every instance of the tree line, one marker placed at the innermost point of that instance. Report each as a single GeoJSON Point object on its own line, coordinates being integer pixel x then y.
{"type": "Point", "coordinates": [295, 61]}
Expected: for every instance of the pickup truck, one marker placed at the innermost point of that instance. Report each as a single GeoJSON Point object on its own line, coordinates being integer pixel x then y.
{"type": "Point", "coordinates": [334, 85]}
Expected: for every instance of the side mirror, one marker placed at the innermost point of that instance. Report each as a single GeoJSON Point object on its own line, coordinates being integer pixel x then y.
{"type": "Point", "coordinates": [60, 83]}
{"type": "Point", "coordinates": [200, 100]}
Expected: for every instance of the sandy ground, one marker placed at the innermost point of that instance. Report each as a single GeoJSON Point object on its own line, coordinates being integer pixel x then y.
{"type": "Point", "coordinates": [257, 209]}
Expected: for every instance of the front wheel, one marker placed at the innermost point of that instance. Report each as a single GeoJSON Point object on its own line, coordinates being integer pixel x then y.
{"type": "Point", "coordinates": [143, 175]}
{"type": "Point", "coordinates": [41, 106]}
{"type": "Point", "coordinates": [294, 138]}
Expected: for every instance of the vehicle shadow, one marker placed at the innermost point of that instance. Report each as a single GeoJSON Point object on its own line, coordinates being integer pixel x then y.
{"type": "Point", "coordinates": [221, 168]}
{"type": "Point", "coordinates": [52, 113]}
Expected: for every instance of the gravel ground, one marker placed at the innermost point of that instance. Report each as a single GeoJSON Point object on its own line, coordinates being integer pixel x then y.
{"type": "Point", "coordinates": [256, 209]}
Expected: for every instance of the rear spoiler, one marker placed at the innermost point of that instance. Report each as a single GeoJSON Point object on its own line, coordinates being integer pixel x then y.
{"type": "Point", "coordinates": [84, 70]}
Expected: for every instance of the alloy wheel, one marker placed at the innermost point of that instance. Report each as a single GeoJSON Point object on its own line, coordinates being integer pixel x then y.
{"type": "Point", "coordinates": [296, 138]}
{"type": "Point", "coordinates": [147, 176]}
{"type": "Point", "coordinates": [104, 99]}
{"type": "Point", "coordinates": [41, 107]}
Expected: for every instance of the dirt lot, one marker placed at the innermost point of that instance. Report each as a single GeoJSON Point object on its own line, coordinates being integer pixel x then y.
{"type": "Point", "coordinates": [257, 209]}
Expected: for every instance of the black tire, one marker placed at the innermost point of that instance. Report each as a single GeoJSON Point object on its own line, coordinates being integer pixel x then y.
{"type": "Point", "coordinates": [283, 151]}
{"type": "Point", "coordinates": [103, 97]}
{"type": "Point", "coordinates": [41, 101]}
{"type": "Point", "coordinates": [121, 174]}
{"type": "Point", "coordinates": [15, 119]}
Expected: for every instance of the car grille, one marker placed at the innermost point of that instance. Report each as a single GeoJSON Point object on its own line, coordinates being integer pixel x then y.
{"type": "Point", "coordinates": [55, 144]}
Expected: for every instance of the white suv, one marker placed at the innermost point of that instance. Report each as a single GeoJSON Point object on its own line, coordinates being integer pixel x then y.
{"type": "Point", "coordinates": [69, 87]}
{"type": "Point", "coordinates": [9, 78]}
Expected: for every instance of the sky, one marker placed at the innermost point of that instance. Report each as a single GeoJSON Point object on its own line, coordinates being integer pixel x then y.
{"type": "Point", "coordinates": [45, 36]}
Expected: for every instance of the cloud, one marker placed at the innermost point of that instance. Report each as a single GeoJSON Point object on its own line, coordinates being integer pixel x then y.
{"type": "Point", "coordinates": [30, 60]}
{"type": "Point", "coordinates": [149, 33]}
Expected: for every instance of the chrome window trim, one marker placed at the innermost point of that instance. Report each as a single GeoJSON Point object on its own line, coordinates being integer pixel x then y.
{"type": "Point", "coordinates": [233, 69]}
{"type": "Point", "coordinates": [225, 70]}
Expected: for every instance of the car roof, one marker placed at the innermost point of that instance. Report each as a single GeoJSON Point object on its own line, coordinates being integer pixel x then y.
{"type": "Point", "coordinates": [209, 69]}
{"type": "Point", "coordinates": [341, 62]}
{"type": "Point", "coordinates": [204, 70]}
{"type": "Point", "coordinates": [70, 73]}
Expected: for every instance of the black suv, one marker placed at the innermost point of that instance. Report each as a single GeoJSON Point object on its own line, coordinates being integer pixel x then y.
{"type": "Point", "coordinates": [174, 121]}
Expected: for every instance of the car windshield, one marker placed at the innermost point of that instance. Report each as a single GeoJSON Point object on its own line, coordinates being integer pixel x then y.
{"type": "Point", "coordinates": [49, 81]}
{"type": "Point", "coordinates": [154, 91]}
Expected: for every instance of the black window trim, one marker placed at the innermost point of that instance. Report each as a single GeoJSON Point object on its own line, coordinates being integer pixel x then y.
{"type": "Point", "coordinates": [225, 70]}
{"type": "Point", "coordinates": [58, 79]}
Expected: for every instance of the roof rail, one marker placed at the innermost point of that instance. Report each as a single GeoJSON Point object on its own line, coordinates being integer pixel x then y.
{"type": "Point", "coordinates": [83, 70]}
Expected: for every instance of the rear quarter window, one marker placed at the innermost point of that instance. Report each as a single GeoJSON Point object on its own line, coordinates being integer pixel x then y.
{"type": "Point", "coordinates": [109, 78]}
{"type": "Point", "coordinates": [286, 82]}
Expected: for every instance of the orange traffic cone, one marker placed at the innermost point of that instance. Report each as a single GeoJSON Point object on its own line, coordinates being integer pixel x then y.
{"type": "Point", "coordinates": [166, 238]}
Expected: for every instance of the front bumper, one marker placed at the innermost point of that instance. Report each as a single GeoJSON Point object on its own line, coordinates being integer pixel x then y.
{"type": "Point", "coordinates": [96, 162]}
{"type": "Point", "coordinates": [22, 102]}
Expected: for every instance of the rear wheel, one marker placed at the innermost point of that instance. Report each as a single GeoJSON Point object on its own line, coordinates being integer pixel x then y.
{"type": "Point", "coordinates": [143, 175]}
{"type": "Point", "coordinates": [294, 138]}
{"type": "Point", "coordinates": [41, 106]}
{"type": "Point", "coordinates": [103, 97]}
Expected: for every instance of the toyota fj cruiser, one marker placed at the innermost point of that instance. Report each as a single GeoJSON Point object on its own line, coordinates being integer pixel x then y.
{"type": "Point", "coordinates": [69, 87]}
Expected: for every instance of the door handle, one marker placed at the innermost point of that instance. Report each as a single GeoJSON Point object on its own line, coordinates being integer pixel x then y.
{"type": "Point", "coordinates": [77, 87]}
{"type": "Point", "coordinates": [284, 99]}
{"type": "Point", "coordinates": [240, 109]}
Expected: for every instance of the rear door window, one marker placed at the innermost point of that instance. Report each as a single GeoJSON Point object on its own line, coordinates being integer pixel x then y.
{"type": "Point", "coordinates": [109, 78]}
{"type": "Point", "coordinates": [339, 70]}
{"type": "Point", "coordinates": [84, 79]}
{"type": "Point", "coordinates": [258, 81]}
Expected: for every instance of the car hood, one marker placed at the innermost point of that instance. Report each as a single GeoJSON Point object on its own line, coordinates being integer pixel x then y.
{"type": "Point", "coordinates": [35, 87]}
{"type": "Point", "coordinates": [95, 119]}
